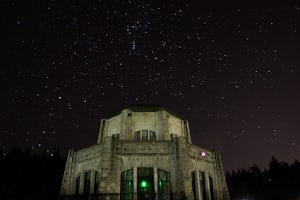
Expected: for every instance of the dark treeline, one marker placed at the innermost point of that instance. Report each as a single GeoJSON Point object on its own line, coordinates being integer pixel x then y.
{"type": "Point", "coordinates": [24, 175]}
{"type": "Point", "coordinates": [281, 181]}
{"type": "Point", "coordinates": [28, 176]}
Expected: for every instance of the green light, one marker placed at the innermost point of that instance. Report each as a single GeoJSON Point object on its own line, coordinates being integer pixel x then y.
{"type": "Point", "coordinates": [159, 183]}
{"type": "Point", "coordinates": [143, 184]}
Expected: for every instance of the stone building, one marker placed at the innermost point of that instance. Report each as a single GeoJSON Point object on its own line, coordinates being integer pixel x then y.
{"type": "Point", "coordinates": [144, 152]}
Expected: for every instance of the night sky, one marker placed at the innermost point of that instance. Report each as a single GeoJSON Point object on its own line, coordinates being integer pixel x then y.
{"type": "Point", "coordinates": [231, 69]}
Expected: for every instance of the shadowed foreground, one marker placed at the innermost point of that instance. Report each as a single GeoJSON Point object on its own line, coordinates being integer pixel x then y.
{"type": "Point", "coordinates": [28, 176]}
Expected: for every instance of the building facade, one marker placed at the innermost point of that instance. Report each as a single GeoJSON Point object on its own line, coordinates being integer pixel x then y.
{"type": "Point", "coordinates": [144, 152]}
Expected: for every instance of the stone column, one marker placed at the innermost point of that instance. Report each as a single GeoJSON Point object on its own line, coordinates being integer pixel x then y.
{"type": "Point", "coordinates": [135, 182]}
{"type": "Point", "coordinates": [92, 183]}
{"type": "Point", "coordinates": [197, 185]}
{"type": "Point", "coordinates": [81, 183]}
{"type": "Point", "coordinates": [200, 187]}
{"type": "Point", "coordinates": [207, 186]}
{"type": "Point", "coordinates": [155, 181]}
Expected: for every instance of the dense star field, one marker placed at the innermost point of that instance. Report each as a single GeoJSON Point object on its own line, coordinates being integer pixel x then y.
{"type": "Point", "coordinates": [231, 69]}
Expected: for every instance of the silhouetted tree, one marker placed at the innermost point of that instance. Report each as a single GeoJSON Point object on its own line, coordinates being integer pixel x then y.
{"type": "Point", "coordinates": [280, 181]}
{"type": "Point", "coordinates": [28, 176]}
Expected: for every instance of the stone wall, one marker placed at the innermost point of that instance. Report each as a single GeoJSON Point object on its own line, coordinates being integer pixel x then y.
{"type": "Point", "coordinates": [172, 151]}
{"type": "Point", "coordinates": [176, 156]}
{"type": "Point", "coordinates": [128, 122]}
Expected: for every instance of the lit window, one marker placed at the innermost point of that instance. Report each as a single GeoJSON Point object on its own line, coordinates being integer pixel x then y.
{"type": "Point", "coordinates": [127, 185]}
{"type": "Point", "coordinates": [144, 184]}
{"type": "Point", "coordinates": [163, 184]}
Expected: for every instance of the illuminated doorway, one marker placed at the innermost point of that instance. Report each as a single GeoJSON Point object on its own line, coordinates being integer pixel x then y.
{"type": "Point", "coordinates": [145, 186]}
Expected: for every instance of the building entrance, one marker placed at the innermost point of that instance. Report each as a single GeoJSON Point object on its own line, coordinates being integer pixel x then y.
{"type": "Point", "coordinates": [145, 186]}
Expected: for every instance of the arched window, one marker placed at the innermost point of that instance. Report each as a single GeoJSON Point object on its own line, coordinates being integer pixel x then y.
{"type": "Point", "coordinates": [96, 183]}
{"type": "Point", "coordinates": [202, 185]}
{"type": "Point", "coordinates": [127, 185]}
{"type": "Point", "coordinates": [163, 184]}
{"type": "Point", "coordinates": [87, 182]}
